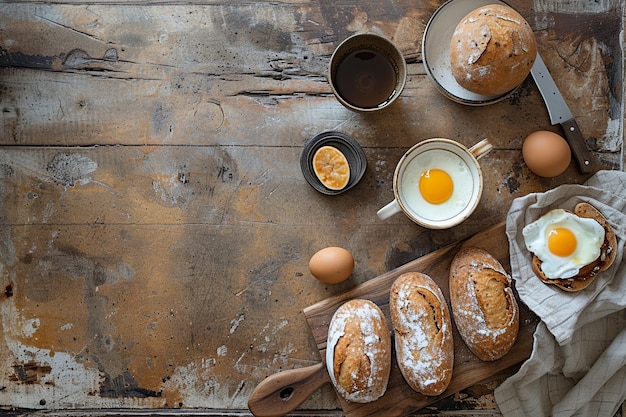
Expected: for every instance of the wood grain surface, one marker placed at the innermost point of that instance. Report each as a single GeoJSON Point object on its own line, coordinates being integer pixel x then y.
{"type": "Point", "coordinates": [400, 399]}
{"type": "Point", "coordinates": [155, 227]}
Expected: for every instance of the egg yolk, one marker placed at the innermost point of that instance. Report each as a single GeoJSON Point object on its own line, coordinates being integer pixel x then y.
{"type": "Point", "coordinates": [436, 186]}
{"type": "Point", "coordinates": [561, 242]}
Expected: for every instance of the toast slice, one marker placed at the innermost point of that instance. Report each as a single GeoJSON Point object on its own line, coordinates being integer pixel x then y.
{"type": "Point", "coordinates": [587, 273]}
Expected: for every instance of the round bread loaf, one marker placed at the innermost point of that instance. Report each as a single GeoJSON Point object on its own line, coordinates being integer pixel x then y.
{"type": "Point", "coordinates": [492, 50]}
{"type": "Point", "coordinates": [423, 333]}
{"type": "Point", "coordinates": [483, 304]}
{"type": "Point", "coordinates": [358, 351]}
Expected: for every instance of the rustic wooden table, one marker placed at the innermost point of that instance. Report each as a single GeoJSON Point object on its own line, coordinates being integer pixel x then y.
{"type": "Point", "coordinates": [155, 225]}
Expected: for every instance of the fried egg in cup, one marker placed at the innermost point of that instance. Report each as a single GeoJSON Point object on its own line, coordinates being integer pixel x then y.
{"type": "Point", "coordinates": [437, 183]}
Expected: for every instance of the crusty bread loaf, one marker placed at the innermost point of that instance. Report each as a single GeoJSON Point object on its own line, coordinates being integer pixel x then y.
{"type": "Point", "coordinates": [483, 304]}
{"type": "Point", "coordinates": [358, 351]}
{"type": "Point", "coordinates": [492, 50]}
{"type": "Point", "coordinates": [423, 333]}
{"type": "Point", "coordinates": [587, 273]}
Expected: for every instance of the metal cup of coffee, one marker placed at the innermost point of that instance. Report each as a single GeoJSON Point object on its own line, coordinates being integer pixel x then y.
{"type": "Point", "coordinates": [367, 72]}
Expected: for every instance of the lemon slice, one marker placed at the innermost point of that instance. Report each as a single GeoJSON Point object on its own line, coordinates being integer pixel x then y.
{"type": "Point", "coordinates": [331, 167]}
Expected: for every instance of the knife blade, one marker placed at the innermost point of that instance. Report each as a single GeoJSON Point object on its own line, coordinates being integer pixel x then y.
{"type": "Point", "coordinates": [561, 114]}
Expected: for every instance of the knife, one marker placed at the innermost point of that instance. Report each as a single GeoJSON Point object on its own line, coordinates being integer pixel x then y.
{"type": "Point", "coordinates": [561, 114]}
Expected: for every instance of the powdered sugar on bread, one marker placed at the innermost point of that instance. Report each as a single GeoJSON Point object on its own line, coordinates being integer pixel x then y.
{"type": "Point", "coordinates": [358, 351]}
{"type": "Point", "coordinates": [483, 304]}
{"type": "Point", "coordinates": [423, 333]}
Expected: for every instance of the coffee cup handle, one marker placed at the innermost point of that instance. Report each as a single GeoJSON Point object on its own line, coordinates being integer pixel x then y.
{"type": "Point", "coordinates": [389, 210]}
{"type": "Point", "coordinates": [481, 149]}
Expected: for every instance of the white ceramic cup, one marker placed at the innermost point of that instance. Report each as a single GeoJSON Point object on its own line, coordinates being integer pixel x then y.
{"type": "Point", "coordinates": [450, 156]}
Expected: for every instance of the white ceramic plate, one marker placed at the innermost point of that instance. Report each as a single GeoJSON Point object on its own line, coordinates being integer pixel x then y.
{"type": "Point", "coordinates": [436, 51]}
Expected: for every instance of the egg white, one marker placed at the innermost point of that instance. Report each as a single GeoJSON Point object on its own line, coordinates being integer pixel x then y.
{"type": "Point", "coordinates": [589, 236]}
{"type": "Point", "coordinates": [461, 177]}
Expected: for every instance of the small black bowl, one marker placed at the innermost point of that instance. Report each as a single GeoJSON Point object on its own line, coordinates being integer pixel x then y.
{"type": "Point", "coordinates": [347, 145]}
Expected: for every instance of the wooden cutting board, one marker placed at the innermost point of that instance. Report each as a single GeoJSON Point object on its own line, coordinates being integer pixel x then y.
{"type": "Point", "coordinates": [399, 399]}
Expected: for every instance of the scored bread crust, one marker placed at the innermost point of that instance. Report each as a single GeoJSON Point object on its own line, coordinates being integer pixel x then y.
{"type": "Point", "coordinates": [483, 303]}
{"type": "Point", "coordinates": [492, 50]}
{"type": "Point", "coordinates": [587, 274]}
{"type": "Point", "coordinates": [423, 333]}
{"type": "Point", "coordinates": [358, 351]}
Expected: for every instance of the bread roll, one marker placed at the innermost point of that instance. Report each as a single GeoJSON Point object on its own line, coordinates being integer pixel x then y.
{"type": "Point", "coordinates": [423, 333]}
{"type": "Point", "coordinates": [587, 273]}
{"type": "Point", "coordinates": [358, 351]}
{"type": "Point", "coordinates": [483, 303]}
{"type": "Point", "coordinates": [492, 50]}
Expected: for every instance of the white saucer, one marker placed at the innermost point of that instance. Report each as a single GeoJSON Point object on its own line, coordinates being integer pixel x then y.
{"type": "Point", "coordinates": [436, 51]}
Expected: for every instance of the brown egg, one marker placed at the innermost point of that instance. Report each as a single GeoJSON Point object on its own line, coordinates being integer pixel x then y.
{"type": "Point", "coordinates": [546, 153]}
{"type": "Point", "coordinates": [332, 265]}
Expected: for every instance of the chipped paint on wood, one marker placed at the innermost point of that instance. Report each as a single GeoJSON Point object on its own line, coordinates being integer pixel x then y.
{"type": "Point", "coordinates": [573, 6]}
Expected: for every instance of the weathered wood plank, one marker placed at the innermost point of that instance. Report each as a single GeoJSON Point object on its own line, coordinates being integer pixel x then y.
{"type": "Point", "coordinates": [135, 82]}
{"type": "Point", "coordinates": [215, 185]}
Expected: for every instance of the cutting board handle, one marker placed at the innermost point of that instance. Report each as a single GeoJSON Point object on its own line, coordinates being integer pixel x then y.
{"type": "Point", "coordinates": [283, 392]}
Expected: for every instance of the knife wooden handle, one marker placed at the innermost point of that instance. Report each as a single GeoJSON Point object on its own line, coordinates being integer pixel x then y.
{"type": "Point", "coordinates": [283, 392]}
{"type": "Point", "coordinates": [578, 146]}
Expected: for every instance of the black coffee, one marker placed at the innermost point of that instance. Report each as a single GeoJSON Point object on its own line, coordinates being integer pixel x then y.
{"type": "Point", "coordinates": [365, 78]}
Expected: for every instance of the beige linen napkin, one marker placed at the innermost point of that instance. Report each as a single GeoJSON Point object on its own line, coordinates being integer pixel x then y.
{"type": "Point", "coordinates": [578, 363]}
